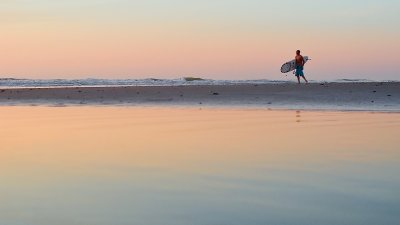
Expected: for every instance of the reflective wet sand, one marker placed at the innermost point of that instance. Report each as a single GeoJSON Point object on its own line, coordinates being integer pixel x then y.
{"type": "Point", "coordinates": [149, 165]}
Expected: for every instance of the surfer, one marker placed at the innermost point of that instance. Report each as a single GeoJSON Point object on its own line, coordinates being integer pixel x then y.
{"type": "Point", "coordinates": [300, 66]}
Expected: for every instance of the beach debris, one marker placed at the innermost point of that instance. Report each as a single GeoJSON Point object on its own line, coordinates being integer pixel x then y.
{"type": "Point", "coordinates": [389, 95]}
{"type": "Point", "coordinates": [160, 99]}
{"type": "Point", "coordinates": [215, 93]}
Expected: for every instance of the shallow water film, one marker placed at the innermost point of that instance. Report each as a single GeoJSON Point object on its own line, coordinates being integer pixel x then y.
{"type": "Point", "coordinates": [210, 166]}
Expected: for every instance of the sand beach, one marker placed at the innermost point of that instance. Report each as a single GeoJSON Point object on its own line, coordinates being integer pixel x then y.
{"type": "Point", "coordinates": [368, 96]}
{"type": "Point", "coordinates": [118, 112]}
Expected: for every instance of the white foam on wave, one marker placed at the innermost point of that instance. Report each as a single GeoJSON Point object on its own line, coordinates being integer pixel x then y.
{"type": "Point", "coordinates": [94, 82]}
{"type": "Point", "coordinates": [11, 82]}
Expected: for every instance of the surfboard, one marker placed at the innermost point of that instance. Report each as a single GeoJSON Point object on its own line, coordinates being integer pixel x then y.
{"type": "Point", "coordinates": [290, 66]}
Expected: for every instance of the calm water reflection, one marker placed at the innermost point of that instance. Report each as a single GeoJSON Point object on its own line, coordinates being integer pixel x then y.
{"type": "Point", "coordinates": [95, 166]}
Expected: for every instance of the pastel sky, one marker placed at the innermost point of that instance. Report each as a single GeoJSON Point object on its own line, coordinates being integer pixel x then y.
{"type": "Point", "coordinates": [219, 39]}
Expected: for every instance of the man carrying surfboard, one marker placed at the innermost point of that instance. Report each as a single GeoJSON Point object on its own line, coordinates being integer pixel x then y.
{"type": "Point", "coordinates": [300, 66]}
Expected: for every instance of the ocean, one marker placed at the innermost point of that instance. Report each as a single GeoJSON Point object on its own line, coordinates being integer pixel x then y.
{"type": "Point", "coordinates": [97, 82]}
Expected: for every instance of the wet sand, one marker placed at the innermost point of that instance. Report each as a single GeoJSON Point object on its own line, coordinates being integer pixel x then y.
{"type": "Point", "coordinates": [379, 96]}
{"type": "Point", "coordinates": [180, 166]}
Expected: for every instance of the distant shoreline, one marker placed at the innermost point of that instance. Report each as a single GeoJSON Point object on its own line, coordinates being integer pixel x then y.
{"type": "Point", "coordinates": [368, 96]}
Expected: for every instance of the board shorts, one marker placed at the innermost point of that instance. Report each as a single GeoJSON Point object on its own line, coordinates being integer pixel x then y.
{"type": "Point", "coordinates": [299, 71]}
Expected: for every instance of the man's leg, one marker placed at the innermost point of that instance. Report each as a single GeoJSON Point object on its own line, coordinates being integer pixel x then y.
{"type": "Point", "coordinates": [304, 78]}
{"type": "Point", "coordinates": [298, 79]}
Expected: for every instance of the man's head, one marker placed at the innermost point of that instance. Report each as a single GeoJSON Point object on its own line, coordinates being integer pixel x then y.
{"type": "Point", "coordinates": [298, 52]}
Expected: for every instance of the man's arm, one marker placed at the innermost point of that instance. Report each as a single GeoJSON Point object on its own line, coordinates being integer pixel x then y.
{"type": "Point", "coordinates": [302, 61]}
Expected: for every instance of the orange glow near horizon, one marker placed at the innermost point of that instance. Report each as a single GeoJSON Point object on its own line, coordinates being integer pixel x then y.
{"type": "Point", "coordinates": [62, 40]}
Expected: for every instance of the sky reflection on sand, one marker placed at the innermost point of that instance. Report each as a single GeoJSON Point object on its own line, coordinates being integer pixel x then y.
{"type": "Point", "coordinates": [116, 165]}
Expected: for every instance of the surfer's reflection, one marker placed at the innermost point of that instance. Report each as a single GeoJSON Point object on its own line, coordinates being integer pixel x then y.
{"type": "Point", "coordinates": [298, 116]}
